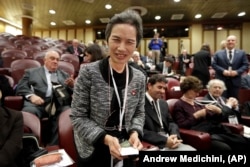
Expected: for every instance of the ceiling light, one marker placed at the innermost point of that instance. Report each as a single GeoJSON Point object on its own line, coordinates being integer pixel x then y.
{"type": "Point", "coordinates": [242, 14]}
{"type": "Point", "coordinates": [219, 28]}
{"type": "Point", "coordinates": [68, 22]}
{"type": "Point", "coordinates": [108, 6]}
{"type": "Point", "coordinates": [87, 21]}
{"type": "Point", "coordinates": [157, 17]}
{"type": "Point", "coordinates": [186, 29]}
{"type": "Point", "coordinates": [177, 0]}
{"type": "Point", "coordinates": [52, 23]}
{"type": "Point", "coordinates": [197, 16]}
{"type": "Point", "coordinates": [155, 30]}
{"type": "Point", "coordinates": [51, 11]}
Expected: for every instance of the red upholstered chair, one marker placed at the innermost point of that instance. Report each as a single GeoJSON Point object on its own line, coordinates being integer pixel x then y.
{"type": "Point", "coordinates": [18, 68]}
{"type": "Point", "coordinates": [74, 60]}
{"type": "Point", "coordinates": [199, 140]}
{"type": "Point", "coordinates": [39, 56]}
{"type": "Point", "coordinates": [32, 125]}
{"type": "Point", "coordinates": [8, 56]}
{"type": "Point", "coordinates": [66, 137]}
{"type": "Point", "coordinates": [67, 67]}
{"type": "Point", "coordinates": [172, 82]}
{"type": "Point", "coordinates": [31, 50]}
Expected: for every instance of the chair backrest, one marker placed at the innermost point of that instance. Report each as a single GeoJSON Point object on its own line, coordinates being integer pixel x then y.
{"type": "Point", "coordinates": [172, 82]}
{"type": "Point", "coordinates": [65, 132]}
{"type": "Point", "coordinates": [39, 56]}
{"type": "Point", "coordinates": [71, 59]}
{"type": "Point", "coordinates": [32, 124]}
{"type": "Point", "coordinates": [171, 103]}
{"type": "Point", "coordinates": [31, 50]}
{"type": "Point", "coordinates": [8, 56]}
{"type": "Point", "coordinates": [66, 67]}
{"type": "Point", "coordinates": [18, 68]}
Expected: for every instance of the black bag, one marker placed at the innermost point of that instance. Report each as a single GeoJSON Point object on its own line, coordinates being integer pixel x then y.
{"type": "Point", "coordinates": [61, 94]}
{"type": "Point", "coordinates": [30, 151]}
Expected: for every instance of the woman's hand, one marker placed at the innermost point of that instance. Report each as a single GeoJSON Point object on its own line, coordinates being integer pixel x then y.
{"type": "Point", "coordinates": [114, 146]}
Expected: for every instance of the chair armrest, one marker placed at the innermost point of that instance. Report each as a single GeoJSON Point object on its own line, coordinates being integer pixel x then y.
{"type": "Point", "coordinates": [14, 102]}
{"type": "Point", "coordinates": [147, 146]}
{"type": "Point", "coordinates": [197, 139]}
{"type": "Point", "coordinates": [245, 120]}
{"type": "Point", "coordinates": [235, 128]}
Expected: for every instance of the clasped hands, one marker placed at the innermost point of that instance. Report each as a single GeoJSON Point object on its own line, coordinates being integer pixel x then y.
{"type": "Point", "coordinates": [230, 73]}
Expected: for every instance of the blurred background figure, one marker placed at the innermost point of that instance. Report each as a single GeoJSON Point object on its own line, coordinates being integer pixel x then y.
{"type": "Point", "coordinates": [184, 61]}
{"type": "Point", "coordinates": [76, 50]}
{"type": "Point", "coordinates": [93, 53]}
{"type": "Point", "coordinates": [202, 61]}
{"type": "Point", "coordinates": [155, 46]}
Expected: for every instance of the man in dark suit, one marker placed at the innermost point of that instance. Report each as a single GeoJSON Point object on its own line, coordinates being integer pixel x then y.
{"type": "Point", "coordinates": [76, 50]}
{"type": "Point", "coordinates": [245, 80]}
{"type": "Point", "coordinates": [229, 108]}
{"type": "Point", "coordinates": [184, 61]}
{"type": "Point", "coordinates": [159, 128]}
{"type": "Point", "coordinates": [229, 65]}
{"type": "Point", "coordinates": [11, 133]}
{"type": "Point", "coordinates": [36, 88]}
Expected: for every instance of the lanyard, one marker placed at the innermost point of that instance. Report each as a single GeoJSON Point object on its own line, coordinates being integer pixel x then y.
{"type": "Point", "coordinates": [122, 109]}
{"type": "Point", "coordinates": [158, 111]}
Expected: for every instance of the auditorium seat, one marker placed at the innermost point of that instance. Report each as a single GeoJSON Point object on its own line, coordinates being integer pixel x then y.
{"type": "Point", "coordinates": [65, 135]}
{"type": "Point", "coordinates": [8, 56]}
{"type": "Point", "coordinates": [18, 68]}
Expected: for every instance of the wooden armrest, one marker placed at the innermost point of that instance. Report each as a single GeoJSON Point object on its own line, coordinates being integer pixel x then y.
{"type": "Point", "coordinates": [197, 139]}
{"type": "Point", "coordinates": [235, 128]}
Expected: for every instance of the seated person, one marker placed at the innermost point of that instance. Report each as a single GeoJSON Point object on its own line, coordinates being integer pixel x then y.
{"type": "Point", "coordinates": [36, 88]}
{"type": "Point", "coordinates": [165, 67]}
{"type": "Point", "coordinates": [245, 80]}
{"type": "Point", "coordinates": [190, 114]}
{"type": "Point", "coordinates": [228, 107]}
{"type": "Point", "coordinates": [159, 128]}
{"type": "Point", "coordinates": [136, 58]}
{"type": "Point", "coordinates": [11, 131]}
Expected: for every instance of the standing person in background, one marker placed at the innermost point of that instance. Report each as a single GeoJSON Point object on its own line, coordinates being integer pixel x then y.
{"type": "Point", "coordinates": [202, 61]}
{"type": "Point", "coordinates": [163, 48]}
{"type": "Point", "coordinates": [76, 50]}
{"type": "Point", "coordinates": [229, 64]}
{"type": "Point", "coordinates": [223, 44]}
{"type": "Point", "coordinates": [184, 61]}
{"type": "Point", "coordinates": [112, 93]}
{"type": "Point", "coordinates": [155, 45]}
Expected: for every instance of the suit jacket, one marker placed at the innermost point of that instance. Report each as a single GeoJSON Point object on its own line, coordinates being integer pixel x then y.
{"type": "Point", "coordinates": [245, 81]}
{"type": "Point", "coordinates": [91, 107]}
{"type": "Point", "coordinates": [11, 133]}
{"type": "Point", "coordinates": [159, 67]}
{"type": "Point", "coordinates": [181, 63]}
{"type": "Point", "coordinates": [34, 81]}
{"type": "Point", "coordinates": [71, 50]}
{"type": "Point", "coordinates": [226, 111]}
{"type": "Point", "coordinates": [152, 125]}
{"type": "Point", "coordinates": [220, 63]}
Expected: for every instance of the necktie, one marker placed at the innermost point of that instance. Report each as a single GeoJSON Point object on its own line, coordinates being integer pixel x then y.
{"type": "Point", "coordinates": [53, 77]}
{"type": "Point", "coordinates": [230, 55]}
